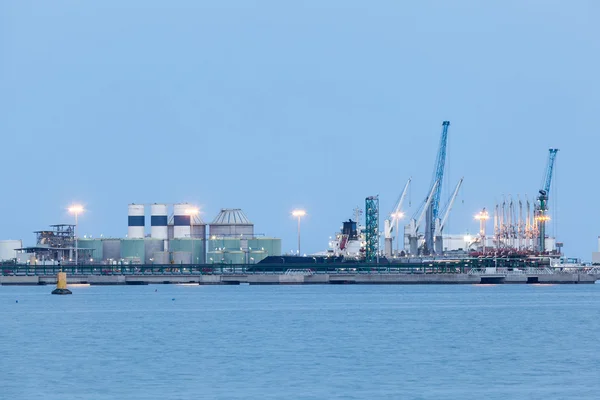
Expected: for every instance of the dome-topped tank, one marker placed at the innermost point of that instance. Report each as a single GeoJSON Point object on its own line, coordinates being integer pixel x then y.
{"type": "Point", "coordinates": [231, 222]}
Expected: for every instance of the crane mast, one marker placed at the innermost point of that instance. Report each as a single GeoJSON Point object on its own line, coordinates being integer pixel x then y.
{"type": "Point", "coordinates": [413, 226]}
{"type": "Point", "coordinates": [438, 175]}
{"type": "Point", "coordinates": [542, 206]}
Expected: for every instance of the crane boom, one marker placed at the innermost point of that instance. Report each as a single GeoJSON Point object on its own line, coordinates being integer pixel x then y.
{"type": "Point", "coordinates": [400, 202]}
{"type": "Point", "coordinates": [438, 172]}
{"type": "Point", "coordinates": [396, 213]}
{"type": "Point", "coordinates": [448, 208]}
{"type": "Point", "coordinates": [549, 169]}
{"type": "Point", "coordinates": [428, 202]}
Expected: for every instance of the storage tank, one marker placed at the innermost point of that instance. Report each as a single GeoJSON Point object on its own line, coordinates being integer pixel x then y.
{"type": "Point", "coordinates": [132, 249]}
{"type": "Point", "coordinates": [158, 221]}
{"type": "Point", "coordinates": [151, 246]}
{"type": "Point", "coordinates": [182, 257]}
{"type": "Point", "coordinates": [95, 249]}
{"type": "Point", "coordinates": [111, 249]}
{"type": "Point", "coordinates": [227, 257]}
{"type": "Point", "coordinates": [136, 221]}
{"type": "Point", "coordinates": [160, 258]}
{"type": "Point", "coordinates": [271, 246]}
{"type": "Point", "coordinates": [186, 245]}
{"type": "Point", "coordinates": [231, 222]}
{"type": "Point", "coordinates": [257, 256]}
{"type": "Point", "coordinates": [8, 249]}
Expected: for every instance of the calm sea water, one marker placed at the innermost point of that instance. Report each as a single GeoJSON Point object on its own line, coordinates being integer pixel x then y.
{"type": "Point", "coordinates": [301, 342]}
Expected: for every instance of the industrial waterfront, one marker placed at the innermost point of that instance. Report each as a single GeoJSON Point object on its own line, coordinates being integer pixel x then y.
{"type": "Point", "coordinates": [178, 246]}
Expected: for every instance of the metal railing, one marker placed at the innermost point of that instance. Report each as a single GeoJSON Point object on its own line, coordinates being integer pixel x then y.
{"type": "Point", "coordinates": [227, 269]}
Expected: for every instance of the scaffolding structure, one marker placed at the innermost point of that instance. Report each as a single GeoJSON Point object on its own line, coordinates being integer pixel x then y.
{"type": "Point", "coordinates": [56, 244]}
{"type": "Point", "coordinates": [372, 228]}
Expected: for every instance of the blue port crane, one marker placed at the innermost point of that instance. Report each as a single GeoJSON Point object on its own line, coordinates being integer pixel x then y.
{"type": "Point", "coordinates": [438, 175]}
{"type": "Point", "coordinates": [543, 197]}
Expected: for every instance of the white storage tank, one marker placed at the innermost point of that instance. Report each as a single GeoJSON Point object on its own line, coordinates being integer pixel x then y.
{"type": "Point", "coordinates": [136, 222]}
{"type": "Point", "coordinates": [158, 221]}
{"type": "Point", "coordinates": [8, 249]}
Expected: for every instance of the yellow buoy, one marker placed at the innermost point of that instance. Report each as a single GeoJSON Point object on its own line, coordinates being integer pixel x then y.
{"type": "Point", "coordinates": [61, 284]}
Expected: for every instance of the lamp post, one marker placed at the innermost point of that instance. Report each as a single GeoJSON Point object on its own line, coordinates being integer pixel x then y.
{"type": "Point", "coordinates": [397, 217]}
{"type": "Point", "coordinates": [482, 216]}
{"type": "Point", "coordinates": [76, 209]}
{"type": "Point", "coordinates": [192, 212]}
{"type": "Point", "coordinates": [299, 214]}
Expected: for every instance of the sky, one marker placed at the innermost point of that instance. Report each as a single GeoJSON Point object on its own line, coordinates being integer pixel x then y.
{"type": "Point", "coordinates": [270, 106]}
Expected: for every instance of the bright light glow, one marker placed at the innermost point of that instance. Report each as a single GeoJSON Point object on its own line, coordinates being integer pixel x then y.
{"type": "Point", "coordinates": [482, 215]}
{"type": "Point", "coordinates": [76, 209]}
{"type": "Point", "coordinates": [398, 215]}
{"type": "Point", "coordinates": [298, 213]}
{"type": "Point", "coordinates": [192, 211]}
{"type": "Point", "coordinates": [467, 238]}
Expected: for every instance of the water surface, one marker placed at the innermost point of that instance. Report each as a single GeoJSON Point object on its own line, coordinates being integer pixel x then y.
{"type": "Point", "coordinates": [301, 342]}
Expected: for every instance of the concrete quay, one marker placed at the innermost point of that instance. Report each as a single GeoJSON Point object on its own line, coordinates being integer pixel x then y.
{"type": "Point", "coordinates": [286, 279]}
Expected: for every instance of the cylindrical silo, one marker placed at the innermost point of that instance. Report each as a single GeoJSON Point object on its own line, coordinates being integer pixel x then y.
{"type": "Point", "coordinates": [136, 221]}
{"type": "Point", "coordinates": [182, 257]}
{"type": "Point", "coordinates": [181, 221]}
{"type": "Point", "coordinates": [158, 221]}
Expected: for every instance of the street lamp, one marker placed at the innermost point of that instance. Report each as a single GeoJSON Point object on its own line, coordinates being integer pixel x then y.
{"type": "Point", "coordinates": [397, 216]}
{"type": "Point", "coordinates": [192, 212]}
{"type": "Point", "coordinates": [482, 216]}
{"type": "Point", "coordinates": [298, 214]}
{"type": "Point", "coordinates": [76, 209]}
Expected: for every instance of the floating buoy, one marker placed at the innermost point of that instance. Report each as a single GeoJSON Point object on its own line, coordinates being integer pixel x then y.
{"type": "Point", "coordinates": [61, 284]}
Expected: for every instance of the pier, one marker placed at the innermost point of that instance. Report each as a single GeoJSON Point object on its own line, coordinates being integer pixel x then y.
{"type": "Point", "coordinates": [278, 274]}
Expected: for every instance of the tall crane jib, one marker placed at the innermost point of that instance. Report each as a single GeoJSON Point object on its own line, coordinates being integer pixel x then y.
{"type": "Point", "coordinates": [542, 206]}
{"type": "Point", "coordinates": [440, 163]}
{"type": "Point", "coordinates": [394, 219]}
{"type": "Point", "coordinates": [438, 175]}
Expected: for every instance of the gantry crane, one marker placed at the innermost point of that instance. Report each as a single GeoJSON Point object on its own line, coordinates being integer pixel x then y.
{"type": "Point", "coordinates": [542, 206]}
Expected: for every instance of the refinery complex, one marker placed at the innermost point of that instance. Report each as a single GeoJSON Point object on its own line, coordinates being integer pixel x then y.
{"type": "Point", "coordinates": [179, 236]}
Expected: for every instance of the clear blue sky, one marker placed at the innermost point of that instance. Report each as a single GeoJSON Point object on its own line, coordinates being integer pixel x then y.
{"type": "Point", "coordinates": [272, 105]}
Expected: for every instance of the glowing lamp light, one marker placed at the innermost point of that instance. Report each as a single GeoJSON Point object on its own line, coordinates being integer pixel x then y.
{"type": "Point", "coordinates": [298, 213]}
{"type": "Point", "coordinates": [483, 215]}
{"type": "Point", "coordinates": [398, 215]}
{"type": "Point", "coordinates": [76, 209]}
